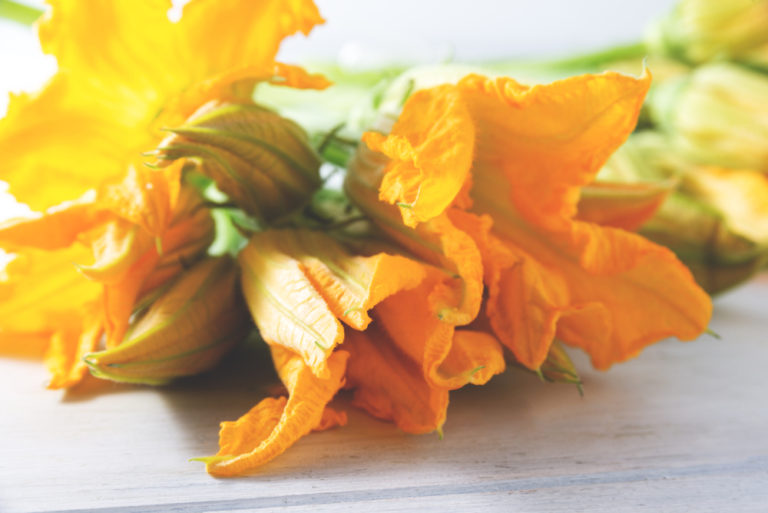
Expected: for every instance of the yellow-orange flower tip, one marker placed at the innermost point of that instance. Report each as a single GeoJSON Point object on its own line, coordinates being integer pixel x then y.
{"type": "Point", "coordinates": [273, 425]}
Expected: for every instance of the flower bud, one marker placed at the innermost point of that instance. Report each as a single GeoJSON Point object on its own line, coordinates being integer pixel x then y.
{"type": "Point", "coordinates": [185, 331]}
{"type": "Point", "coordinates": [698, 31]}
{"type": "Point", "coordinates": [718, 115]}
{"type": "Point", "coordinates": [262, 161]}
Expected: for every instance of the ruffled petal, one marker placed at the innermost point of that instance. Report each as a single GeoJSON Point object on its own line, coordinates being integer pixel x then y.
{"type": "Point", "coordinates": [546, 141]}
{"type": "Point", "coordinates": [430, 150]}
{"type": "Point", "coordinates": [391, 386]}
{"type": "Point", "coordinates": [436, 241]}
{"type": "Point", "coordinates": [274, 425]}
{"type": "Point", "coordinates": [603, 289]}
{"type": "Point", "coordinates": [475, 357]}
{"type": "Point", "coordinates": [125, 70]}
{"type": "Point", "coordinates": [448, 358]}
{"type": "Point", "coordinates": [286, 307]}
{"type": "Point", "coordinates": [221, 35]}
{"type": "Point", "coordinates": [69, 345]}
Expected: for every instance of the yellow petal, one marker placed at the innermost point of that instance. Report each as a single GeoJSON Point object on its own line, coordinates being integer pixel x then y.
{"type": "Point", "coordinates": [351, 285]}
{"type": "Point", "coordinates": [61, 142]}
{"type": "Point", "coordinates": [603, 289]}
{"type": "Point", "coordinates": [116, 245]}
{"type": "Point", "coordinates": [274, 425]}
{"type": "Point", "coordinates": [24, 345]}
{"type": "Point", "coordinates": [286, 307]}
{"type": "Point", "coordinates": [740, 195]}
{"type": "Point", "coordinates": [431, 148]}
{"type": "Point", "coordinates": [57, 228]}
{"type": "Point", "coordinates": [145, 197]}
{"type": "Point", "coordinates": [39, 290]}
{"type": "Point", "coordinates": [69, 345]}
{"type": "Point", "coordinates": [391, 386]}
{"type": "Point", "coordinates": [121, 66]}
{"type": "Point", "coordinates": [254, 31]}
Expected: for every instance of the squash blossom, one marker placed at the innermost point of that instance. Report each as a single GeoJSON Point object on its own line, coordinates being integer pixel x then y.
{"type": "Point", "coordinates": [314, 302]}
{"type": "Point", "coordinates": [699, 31]}
{"type": "Point", "coordinates": [185, 330]}
{"type": "Point", "coordinates": [125, 72]}
{"type": "Point", "coordinates": [80, 269]}
{"type": "Point", "coordinates": [717, 115]}
{"type": "Point", "coordinates": [260, 160]}
{"type": "Point", "coordinates": [504, 164]}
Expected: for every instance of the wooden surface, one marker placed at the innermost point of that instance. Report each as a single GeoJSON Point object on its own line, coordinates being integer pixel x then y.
{"type": "Point", "coordinates": [684, 427]}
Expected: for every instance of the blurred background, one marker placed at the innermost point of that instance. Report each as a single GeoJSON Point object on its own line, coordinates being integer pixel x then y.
{"type": "Point", "coordinates": [365, 33]}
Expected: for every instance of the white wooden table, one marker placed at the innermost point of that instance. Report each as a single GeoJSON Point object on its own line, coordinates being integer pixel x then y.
{"type": "Point", "coordinates": [684, 427]}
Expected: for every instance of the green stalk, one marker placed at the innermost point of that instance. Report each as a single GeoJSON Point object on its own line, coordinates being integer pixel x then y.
{"type": "Point", "coordinates": [19, 12]}
{"type": "Point", "coordinates": [587, 61]}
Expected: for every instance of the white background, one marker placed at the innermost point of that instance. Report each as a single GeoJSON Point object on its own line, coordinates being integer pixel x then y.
{"type": "Point", "coordinates": [367, 32]}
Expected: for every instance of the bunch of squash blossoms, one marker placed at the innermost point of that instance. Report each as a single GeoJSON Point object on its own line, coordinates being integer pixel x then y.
{"type": "Point", "coordinates": [175, 214]}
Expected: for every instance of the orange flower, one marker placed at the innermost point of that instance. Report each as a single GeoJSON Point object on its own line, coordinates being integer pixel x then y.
{"type": "Point", "coordinates": [79, 269]}
{"type": "Point", "coordinates": [393, 351]}
{"type": "Point", "coordinates": [512, 182]}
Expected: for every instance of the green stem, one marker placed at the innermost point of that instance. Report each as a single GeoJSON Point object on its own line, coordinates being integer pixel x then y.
{"type": "Point", "coordinates": [18, 12]}
{"type": "Point", "coordinates": [578, 62]}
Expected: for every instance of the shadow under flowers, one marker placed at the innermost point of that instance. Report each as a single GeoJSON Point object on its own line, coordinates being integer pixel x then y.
{"type": "Point", "coordinates": [198, 404]}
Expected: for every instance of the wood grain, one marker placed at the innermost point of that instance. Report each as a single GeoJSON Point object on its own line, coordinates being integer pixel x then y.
{"type": "Point", "coordinates": [681, 428]}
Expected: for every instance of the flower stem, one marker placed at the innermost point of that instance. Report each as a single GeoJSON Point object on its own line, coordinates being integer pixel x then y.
{"type": "Point", "coordinates": [588, 61]}
{"type": "Point", "coordinates": [19, 12]}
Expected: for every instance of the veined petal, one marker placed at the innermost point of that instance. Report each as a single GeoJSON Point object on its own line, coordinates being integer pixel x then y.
{"type": "Point", "coordinates": [351, 285]}
{"type": "Point", "coordinates": [185, 331]}
{"type": "Point", "coordinates": [262, 161]}
{"type": "Point", "coordinates": [116, 246]}
{"type": "Point", "coordinates": [475, 357]}
{"type": "Point", "coordinates": [286, 307]}
{"type": "Point", "coordinates": [391, 386]}
{"type": "Point", "coordinates": [740, 195]}
{"type": "Point", "coordinates": [274, 424]}
{"type": "Point", "coordinates": [135, 265]}
{"type": "Point", "coordinates": [122, 69]}
{"type": "Point", "coordinates": [126, 52]}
